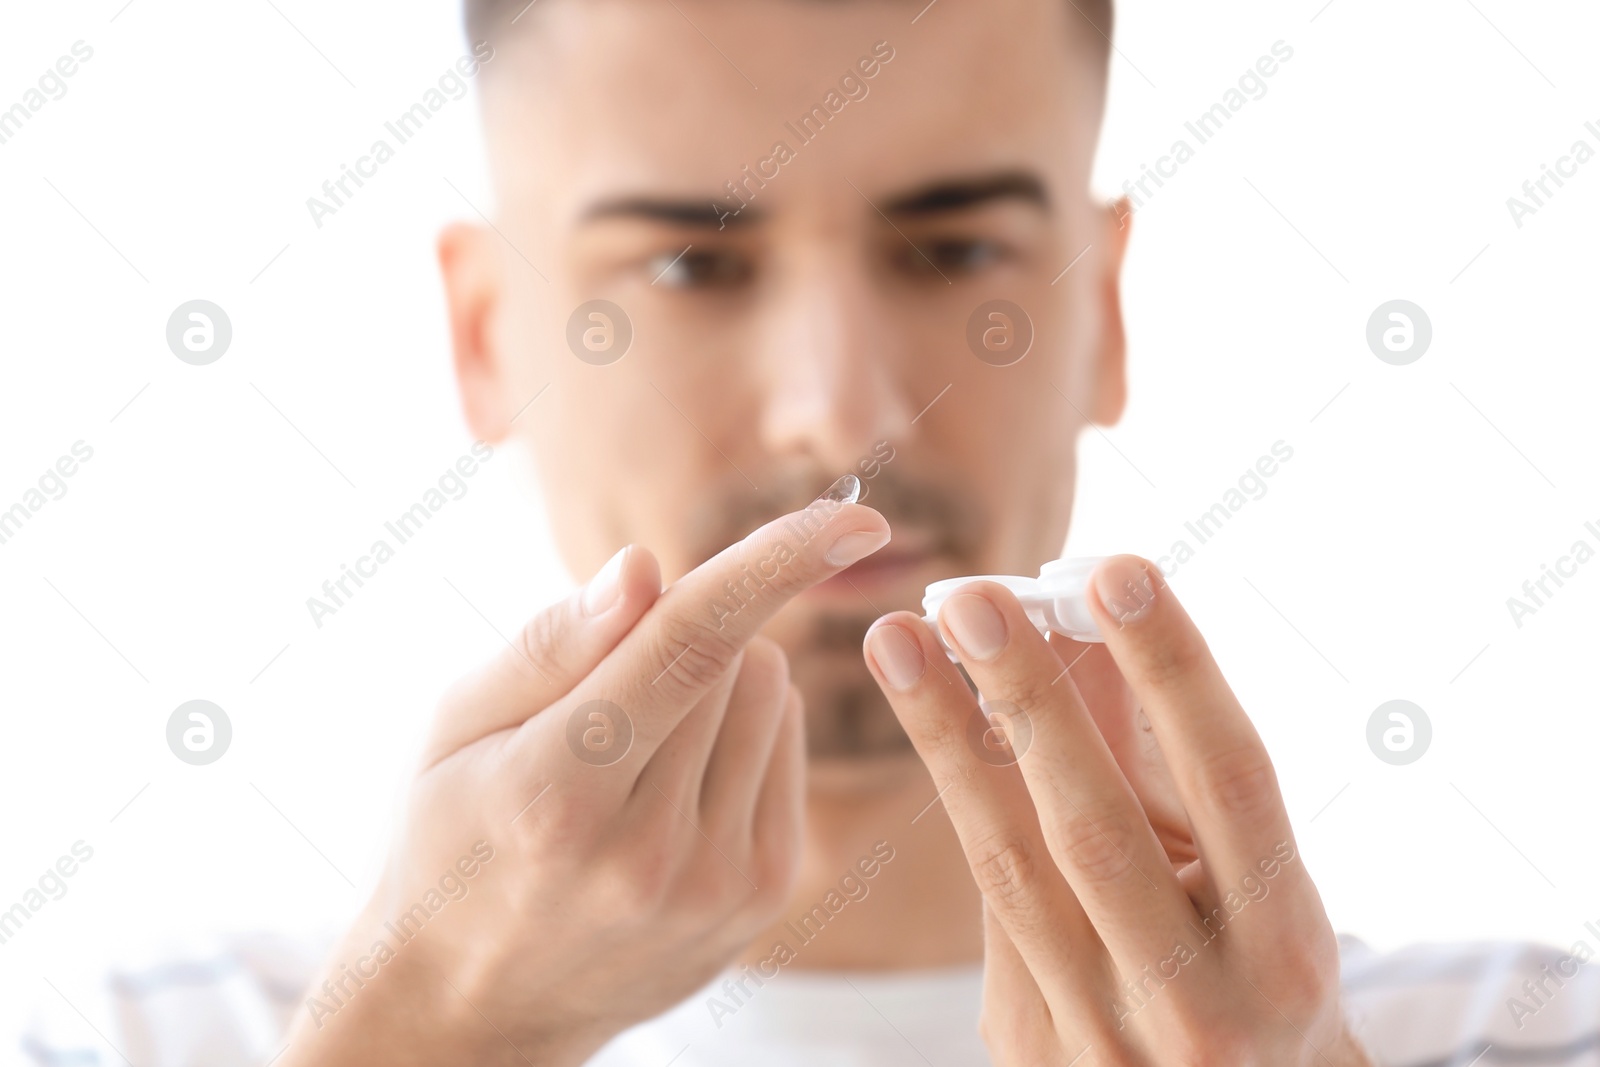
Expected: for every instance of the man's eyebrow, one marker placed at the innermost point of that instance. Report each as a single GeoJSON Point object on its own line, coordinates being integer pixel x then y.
{"type": "Point", "coordinates": [672, 211]}
{"type": "Point", "coordinates": [959, 194]}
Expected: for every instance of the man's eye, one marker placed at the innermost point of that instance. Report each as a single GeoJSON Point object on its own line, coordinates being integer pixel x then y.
{"type": "Point", "coordinates": [698, 269]}
{"type": "Point", "coordinates": [951, 256]}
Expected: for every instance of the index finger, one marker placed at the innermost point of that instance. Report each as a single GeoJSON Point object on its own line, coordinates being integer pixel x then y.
{"type": "Point", "coordinates": [690, 636]}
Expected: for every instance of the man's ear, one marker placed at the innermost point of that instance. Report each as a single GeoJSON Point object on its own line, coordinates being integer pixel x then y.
{"type": "Point", "coordinates": [1111, 383]}
{"type": "Point", "coordinates": [470, 263]}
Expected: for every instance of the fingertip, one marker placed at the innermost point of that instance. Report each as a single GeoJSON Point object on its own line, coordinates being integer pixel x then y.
{"type": "Point", "coordinates": [896, 648]}
{"type": "Point", "coordinates": [842, 516]}
{"type": "Point", "coordinates": [641, 574]}
{"type": "Point", "coordinates": [1125, 590]}
{"type": "Point", "coordinates": [854, 533]}
{"type": "Point", "coordinates": [867, 517]}
{"type": "Point", "coordinates": [908, 619]}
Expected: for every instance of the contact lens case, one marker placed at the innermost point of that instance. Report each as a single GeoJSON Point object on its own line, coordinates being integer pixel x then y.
{"type": "Point", "coordinates": [1055, 601]}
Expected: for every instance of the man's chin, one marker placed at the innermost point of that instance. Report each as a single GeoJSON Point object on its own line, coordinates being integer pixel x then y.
{"type": "Point", "coordinates": [887, 771]}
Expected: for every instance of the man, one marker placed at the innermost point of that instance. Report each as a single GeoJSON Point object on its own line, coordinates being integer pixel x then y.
{"type": "Point", "coordinates": [757, 816]}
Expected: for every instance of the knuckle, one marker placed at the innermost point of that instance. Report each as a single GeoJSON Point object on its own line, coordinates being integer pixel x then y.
{"type": "Point", "coordinates": [1196, 1034]}
{"type": "Point", "coordinates": [762, 571]}
{"type": "Point", "coordinates": [1304, 983]}
{"type": "Point", "coordinates": [552, 829]}
{"type": "Point", "coordinates": [559, 820]}
{"type": "Point", "coordinates": [541, 638]}
{"type": "Point", "coordinates": [694, 655]}
{"type": "Point", "coordinates": [638, 886]}
{"type": "Point", "coordinates": [1173, 660]}
{"type": "Point", "coordinates": [789, 560]}
{"type": "Point", "coordinates": [938, 731]}
{"type": "Point", "coordinates": [1098, 849]}
{"type": "Point", "coordinates": [1239, 783]}
{"type": "Point", "coordinates": [777, 877]}
{"type": "Point", "coordinates": [722, 889]}
{"type": "Point", "coordinates": [1007, 871]}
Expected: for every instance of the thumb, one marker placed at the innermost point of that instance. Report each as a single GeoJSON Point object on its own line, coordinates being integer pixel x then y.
{"type": "Point", "coordinates": [552, 653]}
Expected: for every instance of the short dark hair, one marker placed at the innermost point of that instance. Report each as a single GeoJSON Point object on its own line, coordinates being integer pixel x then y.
{"type": "Point", "coordinates": [490, 20]}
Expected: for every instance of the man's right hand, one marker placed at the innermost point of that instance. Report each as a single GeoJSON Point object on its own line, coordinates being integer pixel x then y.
{"type": "Point", "coordinates": [634, 767]}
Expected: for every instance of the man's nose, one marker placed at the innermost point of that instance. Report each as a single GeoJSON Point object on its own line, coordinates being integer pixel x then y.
{"type": "Point", "coordinates": [834, 365]}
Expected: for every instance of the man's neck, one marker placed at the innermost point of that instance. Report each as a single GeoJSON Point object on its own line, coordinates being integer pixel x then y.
{"type": "Point", "coordinates": [883, 884]}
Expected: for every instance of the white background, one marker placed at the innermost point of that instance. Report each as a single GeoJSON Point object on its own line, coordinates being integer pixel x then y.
{"type": "Point", "coordinates": [1376, 567]}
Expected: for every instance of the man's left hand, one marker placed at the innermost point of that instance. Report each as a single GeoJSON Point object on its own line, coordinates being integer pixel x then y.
{"type": "Point", "coordinates": [1144, 899]}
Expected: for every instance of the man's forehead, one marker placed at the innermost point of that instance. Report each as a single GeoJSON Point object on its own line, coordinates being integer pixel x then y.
{"type": "Point", "coordinates": [629, 95]}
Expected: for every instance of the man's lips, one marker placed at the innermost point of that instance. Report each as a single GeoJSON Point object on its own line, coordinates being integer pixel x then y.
{"type": "Point", "coordinates": [887, 569]}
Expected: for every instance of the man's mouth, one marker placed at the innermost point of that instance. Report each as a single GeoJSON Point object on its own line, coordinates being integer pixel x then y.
{"type": "Point", "coordinates": [893, 569]}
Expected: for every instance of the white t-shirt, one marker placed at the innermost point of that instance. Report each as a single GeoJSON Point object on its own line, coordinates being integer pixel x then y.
{"type": "Point", "coordinates": [1426, 1006]}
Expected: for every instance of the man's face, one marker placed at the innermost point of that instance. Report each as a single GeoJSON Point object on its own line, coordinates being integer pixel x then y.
{"type": "Point", "coordinates": [798, 207]}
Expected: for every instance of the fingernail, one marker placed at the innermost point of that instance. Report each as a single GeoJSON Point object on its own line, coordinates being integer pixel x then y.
{"type": "Point", "coordinates": [604, 588]}
{"type": "Point", "coordinates": [897, 654]}
{"type": "Point", "coordinates": [857, 544]}
{"type": "Point", "coordinates": [975, 624]}
{"type": "Point", "coordinates": [1126, 589]}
